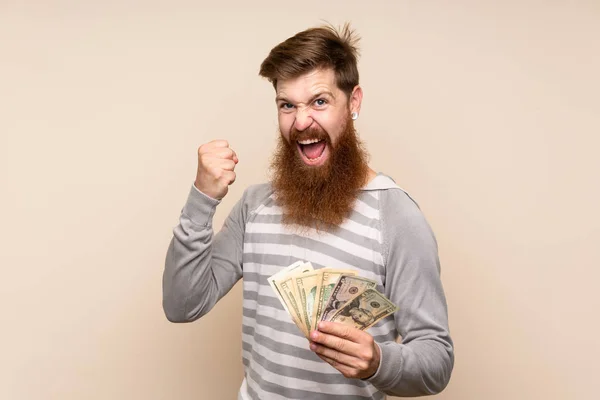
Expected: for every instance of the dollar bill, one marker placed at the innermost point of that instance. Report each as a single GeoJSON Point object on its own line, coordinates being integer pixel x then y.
{"type": "Point", "coordinates": [307, 286]}
{"type": "Point", "coordinates": [286, 286]}
{"type": "Point", "coordinates": [365, 310]}
{"type": "Point", "coordinates": [346, 287]}
{"type": "Point", "coordinates": [297, 267]}
{"type": "Point", "coordinates": [329, 280]}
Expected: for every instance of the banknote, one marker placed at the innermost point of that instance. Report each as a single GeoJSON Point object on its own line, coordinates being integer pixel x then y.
{"type": "Point", "coordinates": [329, 279]}
{"type": "Point", "coordinates": [286, 286]}
{"type": "Point", "coordinates": [364, 310]}
{"type": "Point", "coordinates": [297, 267]}
{"type": "Point", "coordinates": [345, 288]}
{"type": "Point", "coordinates": [307, 286]}
{"type": "Point", "coordinates": [326, 294]}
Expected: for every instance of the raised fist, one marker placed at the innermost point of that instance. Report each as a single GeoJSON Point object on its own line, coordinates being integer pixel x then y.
{"type": "Point", "coordinates": [216, 162]}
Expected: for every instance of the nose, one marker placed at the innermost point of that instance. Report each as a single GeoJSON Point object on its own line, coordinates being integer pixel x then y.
{"type": "Point", "coordinates": [303, 119]}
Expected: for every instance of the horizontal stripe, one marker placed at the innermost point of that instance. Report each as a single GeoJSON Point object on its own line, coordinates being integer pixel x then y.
{"type": "Point", "coordinates": [350, 230]}
{"type": "Point", "coordinates": [317, 260]}
{"type": "Point", "coordinates": [283, 326]}
{"type": "Point", "coordinates": [255, 392]}
{"type": "Point", "coordinates": [317, 252]}
{"type": "Point", "coordinates": [299, 349]}
{"type": "Point", "coordinates": [287, 339]}
{"type": "Point", "coordinates": [360, 207]}
{"type": "Point", "coordinates": [315, 371]}
{"type": "Point", "coordinates": [341, 239]}
{"type": "Point", "coordinates": [293, 384]}
{"type": "Point", "coordinates": [268, 269]}
{"type": "Point", "coordinates": [365, 206]}
{"type": "Point", "coordinates": [292, 356]}
{"type": "Point", "coordinates": [326, 244]}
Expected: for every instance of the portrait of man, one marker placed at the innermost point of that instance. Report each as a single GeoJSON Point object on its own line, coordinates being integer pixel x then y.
{"type": "Point", "coordinates": [323, 204]}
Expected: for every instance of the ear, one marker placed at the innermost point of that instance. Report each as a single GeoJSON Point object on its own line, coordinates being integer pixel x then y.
{"type": "Point", "coordinates": [355, 99]}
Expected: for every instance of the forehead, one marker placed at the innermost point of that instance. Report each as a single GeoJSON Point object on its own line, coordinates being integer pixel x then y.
{"type": "Point", "coordinates": [307, 85]}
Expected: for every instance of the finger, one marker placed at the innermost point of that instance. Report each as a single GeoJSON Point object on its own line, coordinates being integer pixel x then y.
{"type": "Point", "coordinates": [335, 342]}
{"type": "Point", "coordinates": [227, 165]}
{"type": "Point", "coordinates": [210, 147]}
{"type": "Point", "coordinates": [219, 143]}
{"type": "Point", "coordinates": [338, 357]}
{"type": "Point", "coordinates": [225, 153]}
{"type": "Point", "coordinates": [235, 157]}
{"type": "Point", "coordinates": [343, 331]}
{"type": "Point", "coordinates": [229, 176]}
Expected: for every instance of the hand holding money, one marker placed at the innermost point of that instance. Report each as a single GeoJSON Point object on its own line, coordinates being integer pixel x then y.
{"type": "Point", "coordinates": [349, 350]}
{"type": "Point", "coordinates": [327, 294]}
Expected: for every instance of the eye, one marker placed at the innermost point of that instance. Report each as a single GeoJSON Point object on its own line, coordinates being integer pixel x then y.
{"type": "Point", "coordinates": [286, 106]}
{"type": "Point", "coordinates": [320, 102]}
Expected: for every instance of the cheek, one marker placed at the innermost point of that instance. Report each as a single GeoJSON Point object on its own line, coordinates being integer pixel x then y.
{"type": "Point", "coordinates": [332, 125]}
{"type": "Point", "coordinates": [285, 125]}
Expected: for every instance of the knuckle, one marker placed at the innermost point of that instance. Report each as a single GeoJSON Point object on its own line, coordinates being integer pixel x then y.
{"type": "Point", "coordinates": [350, 374]}
{"type": "Point", "coordinates": [335, 356]}
{"type": "Point", "coordinates": [363, 365]}
{"type": "Point", "coordinates": [217, 173]}
{"type": "Point", "coordinates": [204, 158]}
{"type": "Point", "coordinates": [228, 177]}
{"type": "Point", "coordinates": [366, 354]}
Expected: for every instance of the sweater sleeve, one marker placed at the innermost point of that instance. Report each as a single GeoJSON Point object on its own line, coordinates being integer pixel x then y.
{"type": "Point", "coordinates": [422, 363]}
{"type": "Point", "coordinates": [199, 269]}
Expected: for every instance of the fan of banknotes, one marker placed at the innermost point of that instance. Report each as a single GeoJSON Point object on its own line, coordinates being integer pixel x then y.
{"type": "Point", "coordinates": [327, 294]}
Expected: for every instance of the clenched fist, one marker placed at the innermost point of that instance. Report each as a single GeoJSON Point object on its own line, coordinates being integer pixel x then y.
{"type": "Point", "coordinates": [216, 162]}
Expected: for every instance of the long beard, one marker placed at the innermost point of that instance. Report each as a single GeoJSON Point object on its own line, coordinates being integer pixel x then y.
{"type": "Point", "coordinates": [319, 196]}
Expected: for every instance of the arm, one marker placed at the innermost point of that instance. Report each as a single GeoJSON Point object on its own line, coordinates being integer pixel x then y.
{"type": "Point", "coordinates": [423, 362]}
{"type": "Point", "coordinates": [200, 270]}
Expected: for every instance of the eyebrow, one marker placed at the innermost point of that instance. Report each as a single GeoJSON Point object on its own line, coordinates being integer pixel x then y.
{"type": "Point", "coordinates": [313, 98]}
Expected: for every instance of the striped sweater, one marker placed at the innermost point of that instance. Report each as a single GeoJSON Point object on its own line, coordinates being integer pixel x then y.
{"type": "Point", "coordinates": [386, 238]}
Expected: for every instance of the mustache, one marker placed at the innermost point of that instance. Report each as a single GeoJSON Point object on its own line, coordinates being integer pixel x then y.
{"type": "Point", "coordinates": [315, 132]}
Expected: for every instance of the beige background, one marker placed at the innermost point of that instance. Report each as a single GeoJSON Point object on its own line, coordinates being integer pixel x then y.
{"type": "Point", "coordinates": [487, 112]}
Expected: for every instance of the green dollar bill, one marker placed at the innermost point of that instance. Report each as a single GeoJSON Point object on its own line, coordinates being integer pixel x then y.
{"type": "Point", "coordinates": [346, 287]}
{"type": "Point", "coordinates": [365, 310]}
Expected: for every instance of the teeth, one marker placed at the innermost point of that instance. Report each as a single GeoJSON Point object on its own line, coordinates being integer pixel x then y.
{"type": "Point", "coordinates": [309, 141]}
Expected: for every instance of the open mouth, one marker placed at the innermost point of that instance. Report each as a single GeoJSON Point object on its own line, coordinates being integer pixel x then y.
{"type": "Point", "coordinates": [312, 150]}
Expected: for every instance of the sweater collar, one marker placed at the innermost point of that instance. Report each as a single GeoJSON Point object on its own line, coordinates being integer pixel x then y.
{"type": "Point", "coordinates": [381, 182]}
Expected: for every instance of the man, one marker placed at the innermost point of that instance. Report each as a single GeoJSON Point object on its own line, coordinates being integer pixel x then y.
{"type": "Point", "coordinates": [324, 205]}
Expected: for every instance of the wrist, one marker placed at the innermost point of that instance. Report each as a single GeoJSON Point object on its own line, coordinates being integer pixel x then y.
{"type": "Point", "coordinates": [375, 363]}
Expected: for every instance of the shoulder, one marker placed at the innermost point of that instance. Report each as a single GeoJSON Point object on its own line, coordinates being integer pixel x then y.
{"type": "Point", "coordinates": [400, 213]}
{"type": "Point", "coordinates": [395, 202]}
{"type": "Point", "coordinates": [256, 195]}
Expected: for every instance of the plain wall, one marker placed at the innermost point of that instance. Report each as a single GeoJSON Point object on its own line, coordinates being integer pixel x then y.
{"type": "Point", "coordinates": [487, 112]}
